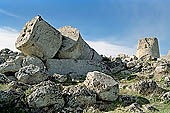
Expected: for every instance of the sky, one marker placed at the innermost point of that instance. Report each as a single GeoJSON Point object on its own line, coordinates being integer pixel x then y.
{"type": "Point", "coordinates": [109, 26]}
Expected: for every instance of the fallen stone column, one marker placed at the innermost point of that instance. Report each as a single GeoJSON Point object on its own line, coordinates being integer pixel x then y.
{"type": "Point", "coordinates": [75, 68]}
{"type": "Point", "coordinates": [40, 39]}
{"type": "Point", "coordinates": [148, 46]}
{"type": "Point", "coordinates": [74, 47]}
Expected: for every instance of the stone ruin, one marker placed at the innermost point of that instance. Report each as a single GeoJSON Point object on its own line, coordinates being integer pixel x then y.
{"type": "Point", "coordinates": [64, 51]}
{"type": "Point", "coordinates": [42, 80]}
{"type": "Point", "coordinates": [148, 47]}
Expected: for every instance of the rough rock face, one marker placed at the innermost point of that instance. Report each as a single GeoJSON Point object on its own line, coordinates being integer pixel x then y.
{"type": "Point", "coordinates": [3, 79]}
{"type": "Point", "coordinates": [74, 47]}
{"type": "Point", "coordinates": [74, 68]}
{"type": "Point", "coordinates": [11, 65]}
{"type": "Point", "coordinates": [105, 86]}
{"type": "Point", "coordinates": [38, 38]}
{"type": "Point", "coordinates": [46, 94]}
{"type": "Point", "coordinates": [79, 96]}
{"type": "Point", "coordinates": [7, 54]}
{"type": "Point", "coordinates": [9, 98]}
{"type": "Point", "coordinates": [34, 61]}
{"type": "Point", "coordinates": [148, 46]}
{"type": "Point", "coordinates": [31, 74]}
{"type": "Point", "coordinates": [166, 96]}
{"type": "Point", "coordinates": [145, 87]}
{"type": "Point", "coordinates": [162, 69]}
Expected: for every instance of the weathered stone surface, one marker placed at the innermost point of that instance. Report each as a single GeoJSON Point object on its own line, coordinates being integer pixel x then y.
{"type": "Point", "coordinates": [131, 64]}
{"type": "Point", "coordinates": [146, 87]}
{"type": "Point", "coordinates": [79, 96]}
{"type": "Point", "coordinates": [4, 79]}
{"type": "Point", "coordinates": [162, 69]}
{"type": "Point", "coordinates": [148, 46]}
{"type": "Point", "coordinates": [135, 108]}
{"type": "Point", "coordinates": [31, 74]}
{"type": "Point", "coordinates": [166, 96]}
{"type": "Point", "coordinates": [46, 94]}
{"type": "Point", "coordinates": [74, 67]}
{"type": "Point", "coordinates": [74, 47]}
{"type": "Point", "coordinates": [116, 65]}
{"type": "Point", "coordinates": [18, 85]}
{"type": "Point", "coordinates": [11, 65]}
{"type": "Point", "coordinates": [38, 38]}
{"type": "Point", "coordinates": [7, 54]}
{"type": "Point", "coordinates": [10, 98]}
{"type": "Point", "coordinates": [34, 61]}
{"type": "Point", "coordinates": [60, 78]}
{"type": "Point", "coordinates": [104, 85]}
{"type": "Point", "coordinates": [127, 99]}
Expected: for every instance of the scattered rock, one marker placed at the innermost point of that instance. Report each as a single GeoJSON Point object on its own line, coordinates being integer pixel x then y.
{"type": "Point", "coordinates": [148, 46]}
{"type": "Point", "coordinates": [167, 81]}
{"type": "Point", "coordinates": [7, 54]}
{"type": "Point", "coordinates": [162, 69]}
{"type": "Point", "coordinates": [40, 39]}
{"type": "Point", "coordinates": [31, 74]}
{"type": "Point", "coordinates": [131, 64]}
{"type": "Point", "coordinates": [116, 65]}
{"type": "Point", "coordinates": [4, 79]}
{"type": "Point", "coordinates": [91, 110]}
{"type": "Point", "coordinates": [10, 98]}
{"type": "Point", "coordinates": [74, 47]}
{"type": "Point", "coordinates": [46, 94]}
{"type": "Point", "coordinates": [60, 78]}
{"type": "Point", "coordinates": [145, 87]}
{"type": "Point", "coordinates": [166, 96]}
{"type": "Point", "coordinates": [127, 99]}
{"type": "Point", "coordinates": [135, 108]}
{"type": "Point", "coordinates": [78, 95]}
{"type": "Point", "coordinates": [104, 85]}
{"type": "Point", "coordinates": [150, 108]}
{"type": "Point", "coordinates": [18, 85]}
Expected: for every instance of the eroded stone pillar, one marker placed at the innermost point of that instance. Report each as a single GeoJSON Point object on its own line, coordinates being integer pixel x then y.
{"type": "Point", "coordinates": [148, 46]}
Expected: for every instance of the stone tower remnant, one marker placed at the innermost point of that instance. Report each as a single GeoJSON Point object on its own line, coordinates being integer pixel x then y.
{"type": "Point", "coordinates": [148, 47]}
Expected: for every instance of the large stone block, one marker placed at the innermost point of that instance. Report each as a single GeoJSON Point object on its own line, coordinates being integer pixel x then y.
{"type": "Point", "coordinates": [74, 47]}
{"type": "Point", "coordinates": [104, 85]}
{"type": "Point", "coordinates": [74, 67]}
{"type": "Point", "coordinates": [148, 46]}
{"type": "Point", "coordinates": [38, 38]}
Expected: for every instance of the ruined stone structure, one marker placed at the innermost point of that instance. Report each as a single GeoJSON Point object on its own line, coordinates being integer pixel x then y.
{"type": "Point", "coordinates": [148, 47]}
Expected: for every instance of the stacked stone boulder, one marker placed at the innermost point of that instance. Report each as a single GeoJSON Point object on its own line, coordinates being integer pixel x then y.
{"type": "Point", "coordinates": [63, 50]}
{"type": "Point", "coordinates": [58, 53]}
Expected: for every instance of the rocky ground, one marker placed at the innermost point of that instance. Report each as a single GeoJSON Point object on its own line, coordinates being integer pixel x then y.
{"type": "Point", "coordinates": [130, 85]}
{"type": "Point", "coordinates": [58, 72]}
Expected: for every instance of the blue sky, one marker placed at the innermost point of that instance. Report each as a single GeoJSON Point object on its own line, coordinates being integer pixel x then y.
{"type": "Point", "coordinates": [110, 26]}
